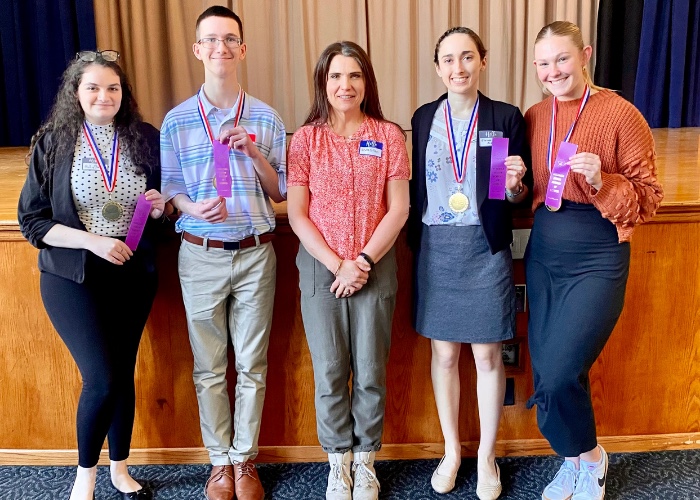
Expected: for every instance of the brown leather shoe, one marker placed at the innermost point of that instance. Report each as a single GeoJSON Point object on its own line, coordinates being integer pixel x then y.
{"type": "Point", "coordinates": [248, 485]}
{"type": "Point", "coordinates": [220, 483]}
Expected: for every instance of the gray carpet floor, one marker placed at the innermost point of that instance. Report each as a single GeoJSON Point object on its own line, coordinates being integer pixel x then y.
{"type": "Point", "coordinates": [638, 476]}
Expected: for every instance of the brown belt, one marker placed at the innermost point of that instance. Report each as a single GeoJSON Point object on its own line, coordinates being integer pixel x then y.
{"type": "Point", "coordinates": [228, 245]}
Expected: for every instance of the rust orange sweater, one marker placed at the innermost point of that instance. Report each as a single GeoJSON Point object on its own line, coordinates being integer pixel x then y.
{"type": "Point", "coordinates": [617, 132]}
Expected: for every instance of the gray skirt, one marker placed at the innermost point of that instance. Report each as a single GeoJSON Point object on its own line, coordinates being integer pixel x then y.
{"type": "Point", "coordinates": [463, 292]}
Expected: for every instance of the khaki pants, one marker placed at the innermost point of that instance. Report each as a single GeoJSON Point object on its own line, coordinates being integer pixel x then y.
{"type": "Point", "coordinates": [229, 292]}
{"type": "Point", "coordinates": [348, 335]}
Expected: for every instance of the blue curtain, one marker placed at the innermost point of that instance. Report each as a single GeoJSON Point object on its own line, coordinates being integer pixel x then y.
{"type": "Point", "coordinates": [617, 45]}
{"type": "Point", "coordinates": [37, 39]}
{"type": "Point", "coordinates": [667, 87]}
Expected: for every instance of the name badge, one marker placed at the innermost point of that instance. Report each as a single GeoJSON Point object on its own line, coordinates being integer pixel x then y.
{"type": "Point", "coordinates": [89, 164]}
{"type": "Point", "coordinates": [371, 148]}
{"type": "Point", "coordinates": [486, 136]}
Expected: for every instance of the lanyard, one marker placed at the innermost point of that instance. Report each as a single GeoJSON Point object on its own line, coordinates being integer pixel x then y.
{"type": "Point", "coordinates": [203, 115]}
{"type": "Point", "coordinates": [109, 174]}
{"type": "Point", "coordinates": [553, 124]}
{"type": "Point", "coordinates": [459, 167]}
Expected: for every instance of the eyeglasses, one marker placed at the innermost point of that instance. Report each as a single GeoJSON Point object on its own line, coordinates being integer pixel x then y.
{"type": "Point", "coordinates": [230, 41]}
{"type": "Point", "coordinates": [92, 55]}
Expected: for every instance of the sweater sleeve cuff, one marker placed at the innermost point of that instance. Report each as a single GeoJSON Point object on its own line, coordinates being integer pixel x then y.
{"type": "Point", "coordinates": [605, 196]}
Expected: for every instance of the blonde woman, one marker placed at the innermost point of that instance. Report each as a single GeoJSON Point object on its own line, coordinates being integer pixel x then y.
{"type": "Point", "coordinates": [577, 260]}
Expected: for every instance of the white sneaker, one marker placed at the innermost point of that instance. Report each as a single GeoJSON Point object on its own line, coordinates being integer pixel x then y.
{"type": "Point", "coordinates": [590, 482]}
{"type": "Point", "coordinates": [339, 480]}
{"type": "Point", "coordinates": [366, 484]}
{"type": "Point", "coordinates": [563, 485]}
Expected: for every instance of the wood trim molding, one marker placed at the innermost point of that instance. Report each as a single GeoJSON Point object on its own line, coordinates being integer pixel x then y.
{"type": "Point", "coordinates": [676, 212]}
{"type": "Point", "coordinates": [294, 454]}
{"type": "Point", "coordinates": [667, 213]}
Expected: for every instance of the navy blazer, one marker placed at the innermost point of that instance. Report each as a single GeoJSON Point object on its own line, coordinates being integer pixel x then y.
{"type": "Point", "coordinates": [43, 205]}
{"type": "Point", "coordinates": [495, 215]}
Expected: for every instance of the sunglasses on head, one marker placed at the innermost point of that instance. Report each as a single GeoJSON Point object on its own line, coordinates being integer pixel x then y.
{"type": "Point", "coordinates": [92, 55]}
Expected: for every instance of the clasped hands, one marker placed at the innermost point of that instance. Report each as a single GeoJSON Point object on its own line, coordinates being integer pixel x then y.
{"type": "Point", "coordinates": [351, 276]}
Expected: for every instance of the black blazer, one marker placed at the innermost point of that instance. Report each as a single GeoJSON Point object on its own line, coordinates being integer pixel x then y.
{"type": "Point", "coordinates": [42, 207]}
{"type": "Point", "coordinates": [495, 215]}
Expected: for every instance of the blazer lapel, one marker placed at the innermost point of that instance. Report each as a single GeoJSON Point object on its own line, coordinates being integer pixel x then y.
{"type": "Point", "coordinates": [62, 189]}
{"type": "Point", "coordinates": [423, 136]}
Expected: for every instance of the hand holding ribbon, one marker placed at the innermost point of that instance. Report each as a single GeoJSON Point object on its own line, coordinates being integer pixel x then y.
{"type": "Point", "coordinates": [587, 164]}
{"type": "Point", "coordinates": [515, 171]}
{"type": "Point", "coordinates": [157, 203]}
{"type": "Point", "coordinates": [238, 139]}
{"type": "Point", "coordinates": [110, 249]}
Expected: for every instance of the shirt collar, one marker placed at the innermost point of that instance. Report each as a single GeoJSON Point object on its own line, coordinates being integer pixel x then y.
{"type": "Point", "coordinates": [209, 107]}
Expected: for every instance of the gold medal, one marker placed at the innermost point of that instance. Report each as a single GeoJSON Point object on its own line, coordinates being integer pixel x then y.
{"type": "Point", "coordinates": [458, 202]}
{"type": "Point", "coordinates": [552, 209]}
{"type": "Point", "coordinates": [112, 211]}
{"type": "Point", "coordinates": [213, 181]}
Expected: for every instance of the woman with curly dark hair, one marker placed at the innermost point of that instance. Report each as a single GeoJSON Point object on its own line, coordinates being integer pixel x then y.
{"type": "Point", "coordinates": [81, 205]}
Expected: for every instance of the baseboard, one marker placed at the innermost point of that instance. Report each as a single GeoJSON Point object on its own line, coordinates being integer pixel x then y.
{"type": "Point", "coordinates": [277, 454]}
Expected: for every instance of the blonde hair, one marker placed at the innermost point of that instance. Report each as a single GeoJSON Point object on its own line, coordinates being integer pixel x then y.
{"type": "Point", "coordinates": [573, 32]}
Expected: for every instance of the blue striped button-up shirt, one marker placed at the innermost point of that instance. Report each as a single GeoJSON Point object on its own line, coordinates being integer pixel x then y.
{"type": "Point", "coordinates": [187, 163]}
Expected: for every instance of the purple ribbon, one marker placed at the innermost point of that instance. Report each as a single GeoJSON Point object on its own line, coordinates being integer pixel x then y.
{"type": "Point", "coordinates": [223, 171]}
{"type": "Point", "coordinates": [138, 222]}
{"type": "Point", "coordinates": [559, 174]}
{"type": "Point", "coordinates": [499, 171]}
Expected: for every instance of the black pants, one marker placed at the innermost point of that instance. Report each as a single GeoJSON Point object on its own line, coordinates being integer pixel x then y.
{"type": "Point", "coordinates": [101, 321]}
{"type": "Point", "coordinates": [576, 277]}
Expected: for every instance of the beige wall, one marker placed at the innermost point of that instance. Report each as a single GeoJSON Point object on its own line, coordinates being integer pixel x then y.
{"type": "Point", "coordinates": [285, 38]}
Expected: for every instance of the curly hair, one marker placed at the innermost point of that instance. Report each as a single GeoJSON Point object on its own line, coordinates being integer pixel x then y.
{"type": "Point", "coordinates": [66, 118]}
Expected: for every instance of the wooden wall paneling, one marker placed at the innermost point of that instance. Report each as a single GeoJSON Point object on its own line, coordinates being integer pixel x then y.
{"type": "Point", "coordinates": [289, 416]}
{"type": "Point", "coordinates": [645, 385]}
{"type": "Point", "coordinates": [166, 400]}
{"type": "Point", "coordinates": [646, 380]}
{"type": "Point", "coordinates": [40, 382]}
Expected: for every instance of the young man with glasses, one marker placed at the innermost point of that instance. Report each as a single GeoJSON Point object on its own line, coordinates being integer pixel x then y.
{"type": "Point", "coordinates": [223, 159]}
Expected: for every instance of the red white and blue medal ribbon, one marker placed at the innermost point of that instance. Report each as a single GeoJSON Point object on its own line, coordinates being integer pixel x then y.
{"type": "Point", "coordinates": [459, 168]}
{"type": "Point", "coordinates": [109, 174]}
{"type": "Point", "coordinates": [553, 125]}
{"type": "Point", "coordinates": [203, 115]}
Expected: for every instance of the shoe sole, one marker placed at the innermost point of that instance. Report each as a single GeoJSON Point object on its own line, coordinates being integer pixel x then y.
{"type": "Point", "coordinates": [607, 463]}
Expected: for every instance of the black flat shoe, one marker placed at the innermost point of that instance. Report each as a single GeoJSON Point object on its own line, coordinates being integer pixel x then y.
{"type": "Point", "coordinates": [142, 494]}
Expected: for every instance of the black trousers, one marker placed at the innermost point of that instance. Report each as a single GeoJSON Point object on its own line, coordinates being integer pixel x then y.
{"type": "Point", "coordinates": [101, 321]}
{"type": "Point", "coordinates": [576, 277]}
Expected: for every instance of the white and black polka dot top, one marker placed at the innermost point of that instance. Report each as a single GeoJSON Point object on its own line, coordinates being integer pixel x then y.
{"type": "Point", "coordinates": [89, 191]}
